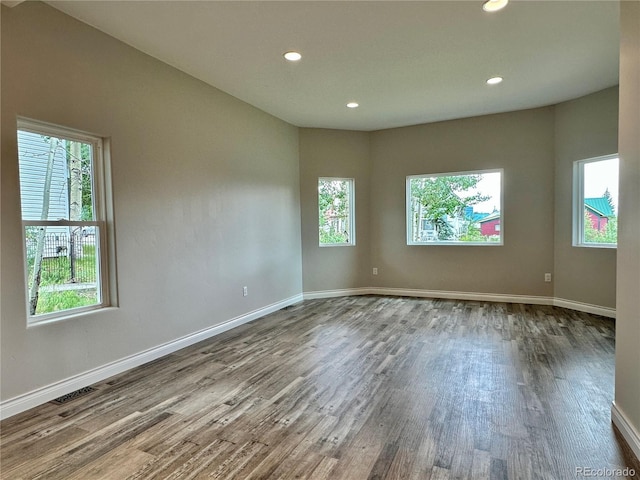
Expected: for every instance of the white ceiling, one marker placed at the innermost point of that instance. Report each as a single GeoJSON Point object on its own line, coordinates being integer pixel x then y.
{"type": "Point", "coordinates": [404, 62]}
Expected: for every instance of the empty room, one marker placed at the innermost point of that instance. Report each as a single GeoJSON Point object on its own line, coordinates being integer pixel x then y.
{"type": "Point", "coordinates": [320, 239]}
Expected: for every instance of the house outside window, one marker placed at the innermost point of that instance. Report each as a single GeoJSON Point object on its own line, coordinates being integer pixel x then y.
{"type": "Point", "coordinates": [595, 202]}
{"type": "Point", "coordinates": [336, 212]}
{"type": "Point", "coordinates": [63, 197]}
{"type": "Point", "coordinates": [463, 208]}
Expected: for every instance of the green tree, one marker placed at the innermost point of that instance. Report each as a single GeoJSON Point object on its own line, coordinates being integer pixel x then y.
{"type": "Point", "coordinates": [78, 156]}
{"type": "Point", "coordinates": [333, 211]}
{"type": "Point", "coordinates": [36, 277]}
{"type": "Point", "coordinates": [472, 233]}
{"type": "Point", "coordinates": [611, 231]}
{"type": "Point", "coordinates": [87, 197]}
{"type": "Point", "coordinates": [436, 198]}
{"type": "Point", "coordinates": [609, 198]}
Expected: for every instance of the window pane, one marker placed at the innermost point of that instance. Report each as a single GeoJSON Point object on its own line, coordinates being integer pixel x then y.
{"type": "Point", "coordinates": [600, 187]}
{"type": "Point", "coordinates": [455, 208]}
{"type": "Point", "coordinates": [66, 262]}
{"type": "Point", "coordinates": [335, 215]}
{"type": "Point", "coordinates": [55, 178]}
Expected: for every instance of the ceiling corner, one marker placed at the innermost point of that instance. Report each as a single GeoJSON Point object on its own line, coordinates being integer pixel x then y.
{"type": "Point", "coordinates": [11, 3]}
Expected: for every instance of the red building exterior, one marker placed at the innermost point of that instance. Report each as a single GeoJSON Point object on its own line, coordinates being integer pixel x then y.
{"type": "Point", "coordinates": [490, 226]}
{"type": "Point", "coordinates": [599, 222]}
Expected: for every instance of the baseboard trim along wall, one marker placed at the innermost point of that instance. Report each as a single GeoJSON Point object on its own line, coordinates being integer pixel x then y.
{"type": "Point", "coordinates": [45, 394]}
{"type": "Point", "coordinates": [629, 433]}
{"type": "Point", "coordinates": [346, 292]}
{"type": "Point", "coordinates": [585, 307]}
{"type": "Point", "coordinates": [482, 297]}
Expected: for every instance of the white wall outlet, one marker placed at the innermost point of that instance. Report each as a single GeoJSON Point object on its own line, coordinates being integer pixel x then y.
{"type": "Point", "coordinates": [375, 270]}
{"type": "Point", "coordinates": [245, 291]}
{"type": "Point", "coordinates": [547, 277]}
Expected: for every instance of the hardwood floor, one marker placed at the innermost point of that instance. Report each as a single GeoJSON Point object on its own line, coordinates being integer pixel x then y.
{"type": "Point", "coordinates": [348, 388]}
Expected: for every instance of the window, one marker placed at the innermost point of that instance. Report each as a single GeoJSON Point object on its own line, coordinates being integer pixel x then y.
{"type": "Point", "coordinates": [62, 196]}
{"type": "Point", "coordinates": [336, 211]}
{"type": "Point", "coordinates": [455, 208]}
{"type": "Point", "coordinates": [595, 202]}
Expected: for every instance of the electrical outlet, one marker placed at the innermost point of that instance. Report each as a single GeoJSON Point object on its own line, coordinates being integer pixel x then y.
{"type": "Point", "coordinates": [245, 291]}
{"type": "Point", "coordinates": [547, 277]}
{"type": "Point", "coordinates": [375, 270]}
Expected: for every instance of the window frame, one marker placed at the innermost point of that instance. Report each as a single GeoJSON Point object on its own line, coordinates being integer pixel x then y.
{"type": "Point", "coordinates": [408, 213]}
{"type": "Point", "coordinates": [577, 229]}
{"type": "Point", "coordinates": [103, 214]}
{"type": "Point", "coordinates": [352, 211]}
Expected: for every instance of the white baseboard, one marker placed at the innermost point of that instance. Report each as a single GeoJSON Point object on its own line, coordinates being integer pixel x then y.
{"type": "Point", "coordinates": [345, 292]}
{"type": "Point", "coordinates": [482, 297]}
{"type": "Point", "coordinates": [627, 430]}
{"type": "Point", "coordinates": [475, 296]}
{"type": "Point", "coordinates": [45, 394]}
{"type": "Point", "coordinates": [585, 307]}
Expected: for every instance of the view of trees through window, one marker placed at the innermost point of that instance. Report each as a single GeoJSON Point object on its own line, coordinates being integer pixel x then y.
{"type": "Point", "coordinates": [57, 201]}
{"type": "Point", "coordinates": [335, 199]}
{"type": "Point", "coordinates": [454, 208]}
{"type": "Point", "coordinates": [600, 201]}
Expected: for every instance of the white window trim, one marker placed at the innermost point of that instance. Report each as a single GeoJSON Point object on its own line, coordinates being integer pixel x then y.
{"type": "Point", "coordinates": [578, 203]}
{"type": "Point", "coordinates": [352, 211]}
{"type": "Point", "coordinates": [408, 219]}
{"type": "Point", "coordinates": [103, 206]}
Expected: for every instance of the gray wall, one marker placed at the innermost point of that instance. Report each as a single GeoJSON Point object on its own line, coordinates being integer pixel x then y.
{"type": "Point", "coordinates": [585, 128]}
{"type": "Point", "coordinates": [628, 296]}
{"type": "Point", "coordinates": [536, 148]}
{"type": "Point", "coordinates": [522, 144]}
{"type": "Point", "coordinates": [206, 194]}
{"type": "Point", "coordinates": [334, 153]}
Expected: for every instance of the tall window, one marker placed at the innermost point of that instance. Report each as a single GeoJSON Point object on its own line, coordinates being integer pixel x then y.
{"type": "Point", "coordinates": [64, 219]}
{"type": "Point", "coordinates": [595, 202]}
{"type": "Point", "coordinates": [455, 208]}
{"type": "Point", "coordinates": [336, 211]}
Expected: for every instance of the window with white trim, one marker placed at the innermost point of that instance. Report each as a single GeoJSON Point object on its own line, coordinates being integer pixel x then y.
{"type": "Point", "coordinates": [463, 208]}
{"type": "Point", "coordinates": [336, 211]}
{"type": "Point", "coordinates": [595, 202]}
{"type": "Point", "coordinates": [64, 219]}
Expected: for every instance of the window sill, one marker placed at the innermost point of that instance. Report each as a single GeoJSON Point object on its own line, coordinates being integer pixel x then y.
{"type": "Point", "coordinates": [457, 244]}
{"type": "Point", "coordinates": [33, 322]}
{"type": "Point", "coordinates": [609, 246]}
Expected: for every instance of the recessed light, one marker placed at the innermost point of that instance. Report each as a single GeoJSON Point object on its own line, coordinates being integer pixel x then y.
{"type": "Point", "coordinates": [494, 5]}
{"type": "Point", "coordinates": [292, 56]}
{"type": "Point", "coordinates": [353, 105]}
{"type": "Point", "coordinates": [494, 80]}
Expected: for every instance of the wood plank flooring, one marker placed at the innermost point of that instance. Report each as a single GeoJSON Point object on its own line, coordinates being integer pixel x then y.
{"type": "Point", "coordinates": [350, 388]}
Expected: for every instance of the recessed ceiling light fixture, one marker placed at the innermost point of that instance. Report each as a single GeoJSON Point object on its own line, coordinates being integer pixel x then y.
{"type": "Point", "coordinates": [353, 105]}
{"type": "Point", "coordinates": [494, 5]}
{"type": "Point", "coordinates": [494, 80]}
{"type": "Point", "coordinates": [292, 56]}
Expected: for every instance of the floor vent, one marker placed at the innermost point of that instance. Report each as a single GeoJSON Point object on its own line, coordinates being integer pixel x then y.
{"type": "Point", "coordinates": [73, 395]}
